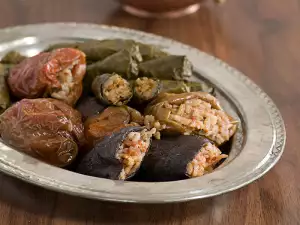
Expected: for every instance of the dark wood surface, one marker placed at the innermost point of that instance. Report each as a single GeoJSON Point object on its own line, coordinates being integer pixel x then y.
{"type": "Point", "coordinates": [260, 38]}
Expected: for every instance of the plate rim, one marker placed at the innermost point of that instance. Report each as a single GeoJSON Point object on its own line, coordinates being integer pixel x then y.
{"type": "Point", "coordinates": [273, 111]}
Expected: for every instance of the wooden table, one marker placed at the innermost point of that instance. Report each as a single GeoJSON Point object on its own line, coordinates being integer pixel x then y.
{"type": "Point", "coordinates": [260, 38]}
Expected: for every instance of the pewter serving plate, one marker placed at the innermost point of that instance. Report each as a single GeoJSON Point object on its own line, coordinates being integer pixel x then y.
{"type": "Point", "coordinates": [256, 147]}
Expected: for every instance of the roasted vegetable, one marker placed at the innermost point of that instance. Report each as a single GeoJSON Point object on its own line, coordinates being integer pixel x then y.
{"type": "Point", "coordinates": [123, 63]}
{"type": "Point", "coordinates": [179, 157]}
{"type": "Point", "coordinates": [145, 89]}
{"type": "Point", "coordinates": [89, 106]}
{"type": "Point", "coordinates": [112, 89]}
{"type": "Point", "coordinates": [192, 113]}
{"type": "Point", "coordinates": [12, 57]}
{"type": "Point", "coordinates": [171, 67]}
{"type": "Point", "coordinates": [4, 91]}
{"type": "Point", "coordinates": [57, 74]}
{"type": "Point", "coordinates": [118, 156]}
{"type": "Point", "coordinates": [44, 128]}
{"type": "Point", "coordinates": [111, 120]}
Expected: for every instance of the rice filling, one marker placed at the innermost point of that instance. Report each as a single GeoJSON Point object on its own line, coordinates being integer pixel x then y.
{"type": "Point", "coordinates": [66, 80]}
{"type": "Point", "coordinates": [198, 117]}
{"type": "Point", "coordinates": [146, 87]}
{"type": "Point", "coordinates": [204, 162]}
{"type": "Point", "coordinates": [133, 150]}
{"type": "Point", "coordinates": [116, 90]}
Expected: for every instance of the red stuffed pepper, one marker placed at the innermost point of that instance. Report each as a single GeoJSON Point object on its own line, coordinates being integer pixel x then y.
{"type": "Point", "coordinates": [57, 74]}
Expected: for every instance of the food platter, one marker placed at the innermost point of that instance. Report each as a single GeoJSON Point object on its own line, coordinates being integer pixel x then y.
{"type": "Point", "coordinates": [255, 148]}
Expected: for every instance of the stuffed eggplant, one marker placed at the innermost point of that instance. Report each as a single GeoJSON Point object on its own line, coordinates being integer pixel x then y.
{"type": "Point", "coordinates": [196, 113]}
{"type": "Point", "coordinates": [171, 67]}
{"type": "Point", "coordinates": [89, 106]}
{"type": "Point", "coordinates": [180, 157]}
{"type": "Point", "coordinates": [47, 129]}
{"type": "Point", "coordinates": [12, 57]}
{"type": "Point", "coordinates": [111, 120]}
{"type": "Point", "coordinates": [58, 74]}
{"type": "Point", "coordinates": [4, 91]}
{"type": "Point", "coordinates": [112, 89]}
{"type": "Point", "coordinates": [119, 156]}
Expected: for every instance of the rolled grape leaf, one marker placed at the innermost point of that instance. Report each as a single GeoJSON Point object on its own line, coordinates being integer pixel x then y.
{"type": "Point", "coordinates": [167, 68]}
{"type": "Point", "coordinates": [12, 57]}
{"type": "Point", "coordinates": [123, 63]}
{"type": "Point", "coordinates": [147, 51]}
{"type": "Point", "coordinates": [112, 89]}
{"type": "Point", "coordinates": [4, 91]}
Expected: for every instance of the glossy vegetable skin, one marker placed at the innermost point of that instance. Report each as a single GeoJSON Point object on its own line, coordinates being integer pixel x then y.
{"type": "Point", "coordinates": [167, 159]}
{"type": "Point", "coordinates": [101, 161]}
{"type": "Point", "coordinates": [12, 57]}
{"type": "Point", "coordinates": [58, 74]}
{"type": "Point", "coordinates": [44, 128]}
{"type": "Point", "coordinates": [171, 67]}
{"type": "Point", "coordinates": [111, 120]}
{"type": "Point", "coordinates": [4, 91]}
{"type": "Point", "coordinates": [89, 106]}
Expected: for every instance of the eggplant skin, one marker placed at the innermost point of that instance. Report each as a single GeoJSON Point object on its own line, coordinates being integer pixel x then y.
{"type": "Point", "coordinates": [167, 159]}
{"type": "Point", "coordinates": [101, 161]}
{"type": "Point", "coordinates": [89, 106]}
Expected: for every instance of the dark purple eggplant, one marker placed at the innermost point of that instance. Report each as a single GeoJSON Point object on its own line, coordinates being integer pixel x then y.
{"type": "Point", "coordinates": [102, 161]}
{"type": "Point", "coordinates": [168, 159]}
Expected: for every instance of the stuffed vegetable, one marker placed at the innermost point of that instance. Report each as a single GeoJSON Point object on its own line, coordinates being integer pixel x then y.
{"type": "Point", "coordinates": [180, 157]}
{"type": "Point", "coordinates": [89, 106]}
{"type": "Point", "coordinates": [191, 113]}
{"type": "Point", "coordinates": [12, 57]}
{"type": "Point", "coordinates": [147, 51]}
{"type": "Point", "coordinates": [145, 89]}
{"type": "Point", "coordinates": [4, 91]}
{"type": "Point", "coordinates": [47, 129]}
{"type": "Point", "coordinates": [171, 67]}
{"type": "Point", "coordinates": [112, 89]}
{"type": "Point", "coordinates": [57, 74]}
{"type": "Point", "coordinates": [119, 156]}
{"type": "Point", "coordinates": [111, 120]}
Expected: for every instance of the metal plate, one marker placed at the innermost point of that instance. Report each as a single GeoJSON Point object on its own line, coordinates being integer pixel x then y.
{"type": "Point", "coordinates": [256, 148]}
